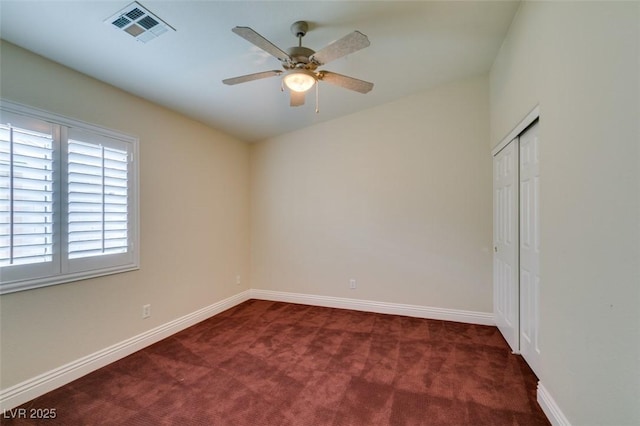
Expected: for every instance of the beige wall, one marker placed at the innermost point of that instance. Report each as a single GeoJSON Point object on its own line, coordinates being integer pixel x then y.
{"type": "Point", "coordinates": [194, 216]}
{"type": "Point", "coordinates": [580, 62]}
{"type": "Point", "coordinates": [397, 197]}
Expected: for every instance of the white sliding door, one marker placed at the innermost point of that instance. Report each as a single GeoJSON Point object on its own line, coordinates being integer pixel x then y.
{"type": "Point", "coordinates": [505, 243]}
{"type": "Point", "coordinates": [516, 236]}
{"type": "Point", "coordinates": [530, 246]}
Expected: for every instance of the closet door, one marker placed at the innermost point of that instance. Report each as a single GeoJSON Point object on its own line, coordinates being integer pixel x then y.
{"type": "Point", "coordinates": [530, 246]}
{"type": "Point", "coordinates": [505, 243]}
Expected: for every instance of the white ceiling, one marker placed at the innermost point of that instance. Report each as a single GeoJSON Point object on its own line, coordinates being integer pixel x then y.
{"type": "Point", "coordinates": [415, 45]}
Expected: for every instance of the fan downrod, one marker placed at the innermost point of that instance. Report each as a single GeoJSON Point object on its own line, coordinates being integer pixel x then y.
{"type": "Point", "coordinates": [299, 54]}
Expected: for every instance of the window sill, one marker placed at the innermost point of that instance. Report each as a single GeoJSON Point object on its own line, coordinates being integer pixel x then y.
{"type": "Point", "coordinates": [31, 284]}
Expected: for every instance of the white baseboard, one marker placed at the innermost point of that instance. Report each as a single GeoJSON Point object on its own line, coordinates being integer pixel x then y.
{"type": "Point", "coordinates": [471, 317]}
{"type": "Point", "coordinates": [46, 382]}
{"type": "Point", "coordinates": [550, 408]}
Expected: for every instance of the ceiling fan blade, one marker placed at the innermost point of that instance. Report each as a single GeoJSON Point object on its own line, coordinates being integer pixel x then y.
{"type": "Point", "coordinates": [251, 77]}
{"type": "Point", "coordinates": [297, 98]}
{"type": "Point", "coordinates": [339, 48]}
{"type": "Point", "coordinates": [350, 83]}
{"type": "Point", "coordinates": [253, 37]}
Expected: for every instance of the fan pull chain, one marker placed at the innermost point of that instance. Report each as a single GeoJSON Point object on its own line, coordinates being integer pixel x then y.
{"type": "Point", "coordinates": [317, 100]}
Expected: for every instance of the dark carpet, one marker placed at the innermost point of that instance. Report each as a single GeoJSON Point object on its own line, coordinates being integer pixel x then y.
{"type": "Point", "coordinates": [272, 363]}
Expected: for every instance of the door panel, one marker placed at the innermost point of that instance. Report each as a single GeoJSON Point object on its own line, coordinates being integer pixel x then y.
{"type": "Point", "coordinates": [505, 256]}
{"type": "Point", "coordinates": [530, 246]}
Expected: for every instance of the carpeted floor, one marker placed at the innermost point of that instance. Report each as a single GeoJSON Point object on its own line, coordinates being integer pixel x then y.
{"type": "Point", "coordinates": [270, 363]}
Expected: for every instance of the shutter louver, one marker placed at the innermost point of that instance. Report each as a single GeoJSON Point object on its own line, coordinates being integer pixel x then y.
{"type": "Point", "coordinates": [26, 196]}
{"type": "Point", "coordinates": [97, 200]}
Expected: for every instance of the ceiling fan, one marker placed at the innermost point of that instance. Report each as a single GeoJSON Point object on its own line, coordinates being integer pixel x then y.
{"type": "Point", "coordinates": [300, 63]}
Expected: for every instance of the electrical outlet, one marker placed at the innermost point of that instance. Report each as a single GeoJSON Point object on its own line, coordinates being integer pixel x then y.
{"type": "Point", "coordinates": [146, 311]}
{"type": "Point", "coordinates": [238, 279]}
{"type": "Point", "coordinates": [352, 284]}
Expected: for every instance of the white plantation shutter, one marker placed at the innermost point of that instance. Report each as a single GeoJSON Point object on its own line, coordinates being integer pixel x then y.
{"type": "Point", "coordinates": [68, 201]}
{"type": "Point", "coordinates": [26, 196]}
{"type": "Point", "coordinates": [27, 150]}
{"type": "Point", "coordinates": [97, 200]}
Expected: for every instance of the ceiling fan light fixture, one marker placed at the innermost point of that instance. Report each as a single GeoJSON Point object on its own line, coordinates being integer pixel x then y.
{"type": "Point", "coordinates": [300, 80]}
{"type": "Point", "coordinates": [301, 63]}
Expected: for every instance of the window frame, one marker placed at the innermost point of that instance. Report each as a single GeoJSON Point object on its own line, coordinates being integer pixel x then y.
{"type": "Point", "coordinates": [60, 271]}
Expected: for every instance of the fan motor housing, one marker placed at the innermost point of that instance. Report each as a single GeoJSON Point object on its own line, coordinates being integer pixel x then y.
{"type": "Point", "coordinates": [300, 56]}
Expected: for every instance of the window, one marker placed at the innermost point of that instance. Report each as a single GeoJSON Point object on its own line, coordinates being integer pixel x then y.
{"type": "Point", "coordinates": [68, 200]}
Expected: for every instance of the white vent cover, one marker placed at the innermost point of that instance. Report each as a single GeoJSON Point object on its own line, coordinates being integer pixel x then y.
{"type": "Point", "coordinates": [139, 23]}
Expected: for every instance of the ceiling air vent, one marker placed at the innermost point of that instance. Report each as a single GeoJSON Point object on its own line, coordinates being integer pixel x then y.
{"type": "Point", "coordinates": [138, 22]}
